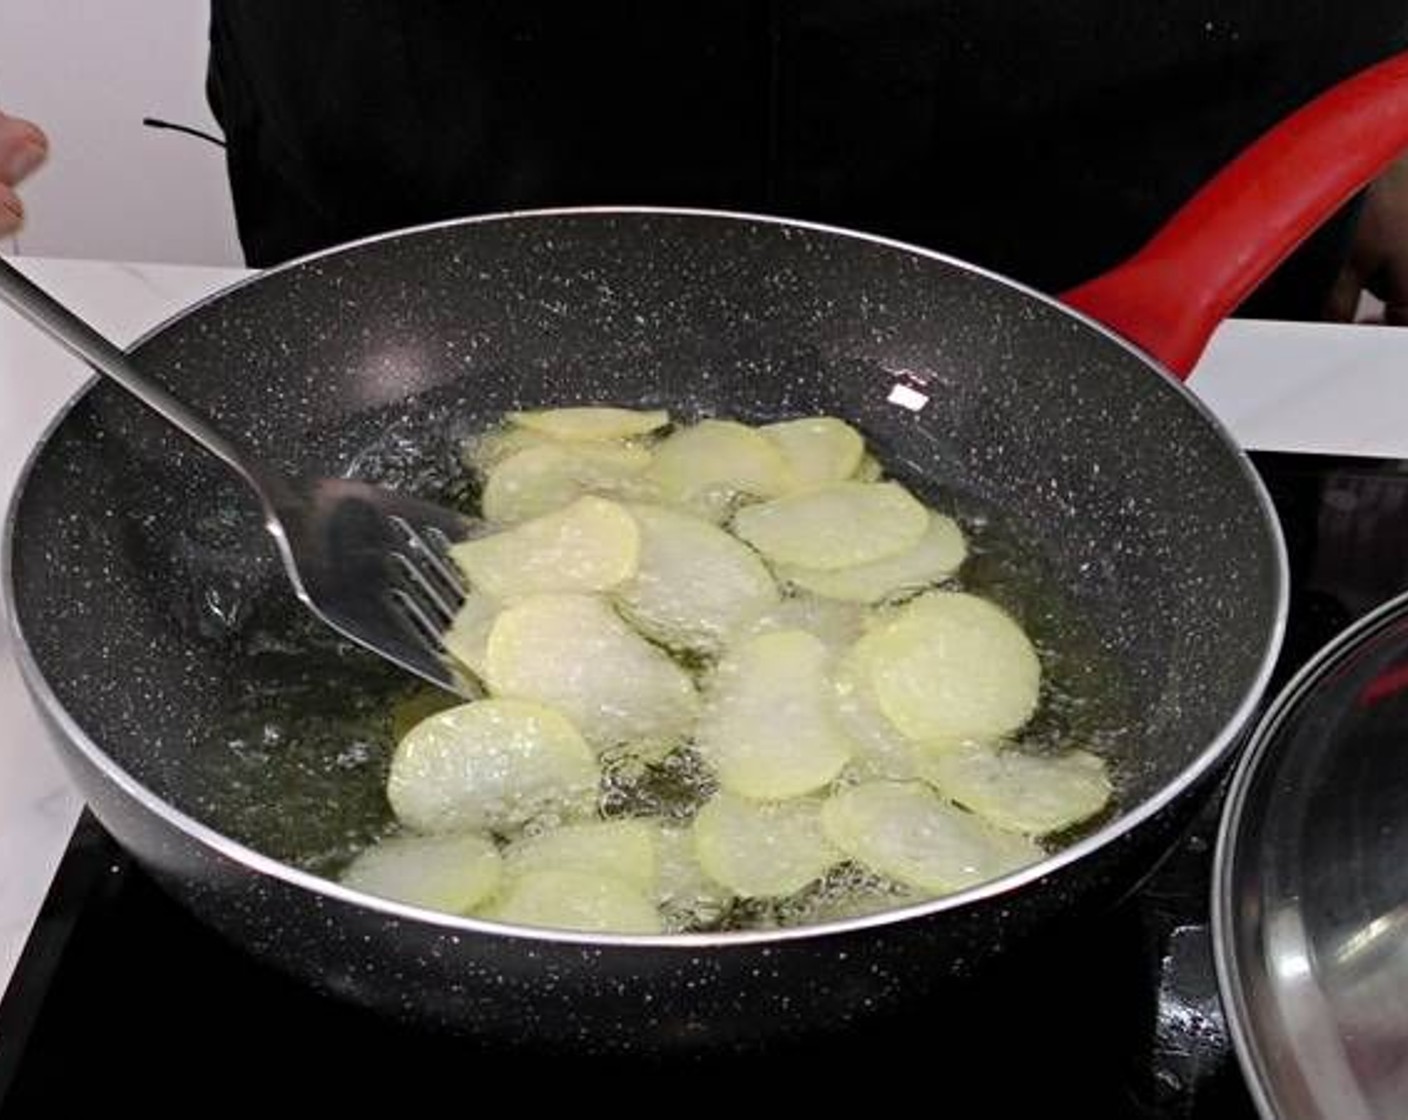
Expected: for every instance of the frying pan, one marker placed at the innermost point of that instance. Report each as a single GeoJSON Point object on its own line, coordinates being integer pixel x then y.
{"type": "Point", "coordinates": [234, 749]}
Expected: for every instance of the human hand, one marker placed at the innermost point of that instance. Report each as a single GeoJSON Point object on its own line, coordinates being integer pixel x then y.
{"type": "Point", "coordinates": [22, 148]}
{"type": "Point", "coordinates": [1378, 259]}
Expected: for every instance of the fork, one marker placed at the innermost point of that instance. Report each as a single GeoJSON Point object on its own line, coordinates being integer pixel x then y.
{"type": "Point", "coordinates": [370, 562]}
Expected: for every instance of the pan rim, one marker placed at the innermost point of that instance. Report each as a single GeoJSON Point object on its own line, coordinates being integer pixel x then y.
{"type": "Point", "coordinates": [1218, 747]}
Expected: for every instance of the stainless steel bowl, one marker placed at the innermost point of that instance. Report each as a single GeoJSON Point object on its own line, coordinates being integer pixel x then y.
{"type": "Point", "coordinates": [1310, 895]}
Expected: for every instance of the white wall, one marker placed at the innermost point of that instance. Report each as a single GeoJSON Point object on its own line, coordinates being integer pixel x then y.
{"type": "Point", "coordinates": [88, 71]}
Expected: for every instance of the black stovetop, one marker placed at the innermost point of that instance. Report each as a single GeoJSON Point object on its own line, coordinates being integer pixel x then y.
{"type": "Point", "coordinates": [121, 998]}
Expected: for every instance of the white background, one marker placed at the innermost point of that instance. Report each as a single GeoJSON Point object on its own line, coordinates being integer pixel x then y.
{"type": "Point", "coordinates": [88, 71]}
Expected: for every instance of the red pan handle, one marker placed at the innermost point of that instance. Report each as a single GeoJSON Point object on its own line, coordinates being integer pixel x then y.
{"type": "Point", "coordinates": [1172, 294]}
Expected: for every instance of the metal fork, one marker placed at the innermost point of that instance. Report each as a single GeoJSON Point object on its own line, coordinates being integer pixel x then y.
{"type": "Point", "coordinates": [369, 562]}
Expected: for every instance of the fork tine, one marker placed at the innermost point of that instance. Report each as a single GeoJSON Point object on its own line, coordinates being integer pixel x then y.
{"type": "Point", "coordinates": [420, 620]}
{"type": "Point", "coordinates": [438, 553]}
{"type": "Point", "coordinates": [431, 547]}
{"type": "Point", "coordinates": [444, 570]}
{"type": "Point", "coordinates": [443, 605]}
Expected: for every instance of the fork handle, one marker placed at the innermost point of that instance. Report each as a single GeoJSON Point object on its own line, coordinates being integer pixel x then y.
{"type": "Point", "coordinates": [81, 339]}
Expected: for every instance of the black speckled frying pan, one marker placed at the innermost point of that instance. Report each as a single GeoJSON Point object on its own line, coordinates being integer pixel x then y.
{"type": "Point", "coordinates": [236, 750]}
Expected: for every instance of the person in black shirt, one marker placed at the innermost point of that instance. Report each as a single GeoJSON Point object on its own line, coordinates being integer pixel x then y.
{"type": "Point", "coordinates": [1043, 141]}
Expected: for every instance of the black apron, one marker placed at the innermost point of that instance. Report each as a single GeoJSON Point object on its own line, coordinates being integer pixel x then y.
{"type": "Point", "coordinates": [1045, 141]}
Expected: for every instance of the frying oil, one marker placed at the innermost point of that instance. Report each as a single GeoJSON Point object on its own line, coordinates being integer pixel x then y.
{"type": "Point", "coordinates": [311, 729]}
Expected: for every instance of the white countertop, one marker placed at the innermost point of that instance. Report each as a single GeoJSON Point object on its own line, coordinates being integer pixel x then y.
{"type": "Point", "coordinates": [1277, 386]}
{"type": "Point", "coordinates": [38, 806]}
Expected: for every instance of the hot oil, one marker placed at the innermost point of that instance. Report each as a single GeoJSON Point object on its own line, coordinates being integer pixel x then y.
{"type": "Point", "coordinates": [1086, 700]}
{"type": "Point", "coordinates": [312, 726]}
{"type": "Point", "coordinates": [300, 770]}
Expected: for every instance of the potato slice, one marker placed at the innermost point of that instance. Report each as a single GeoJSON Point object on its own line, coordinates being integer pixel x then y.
{"type": "Point", "coordinates": [482, 451]}
{"type": "Point", "coordinates": [1035, 794]}
{"type": "Point", "coordinates": [467, 638]}
{"type": "Point", "coordinates": [879, 749]}
{"type": "Point", "coordinates": [418, 705]}
{"type": "Point", "coordinates": [771, 732]}
{"type": "Point", "coordinates": [591, 545]}
{"type": "Point", "coordinates": [950, 665]}
{"type": "Point", "coordinates": [575, 653]}
{"type": "Point", "coordinates": [868, 469]}
{"type": "Point", "coordinates": [837, 624]}
{"type": "Point", "coordinates": [818, 449]}
{"type": "Point", "coordinates": [453, 873]}
{"type": "Point", "coordinates": [762, 850]}
{"type": "Point", "coordinates": [905, 831]}
{"type": "Point", "coordinates": [934, 557]}
{"type": "Point", "coordinates": [834, 526]}
{"type": "Point", "coordinates": [491, 765]}
{"type": "Point", "coordinates": [694, 582]}
{"type": "Point", "coordinates": [570, 898]}
{"type": "Point", "coordinates": [590, 422]}
{"type": "Point", "coordinates": [685, 893]}
{"type": "Point", "coordinates": [623, 848]}
{"type": "Point", "coordinates": [541, 479]}
{"type": "Point", "coordinates": [705, 467]}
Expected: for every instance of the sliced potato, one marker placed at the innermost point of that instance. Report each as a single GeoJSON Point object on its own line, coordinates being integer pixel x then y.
{"type": "Point", "coordinates": [822, 677]}
{"type": "Point", "coordinates": [541, 479]}
{"type": "Point", "coordinates": [694, 582]}
{"type": "Point", "coordinates": [934, 557]}
{"type": "Point", "coordinates": [589, 422]}
{"type": "Point", "coordinates": [706, 466]}
{"type": "Point", "coordinates": [950, 665]}
{"type": "Point", "coordinates": [575, 653]}
{"type": "Point", "coordinates": [1036, 794]}
{"type": "Point", "coordinates": [770, 731]}
{"type": "Point", "coordinates": [761, 850]}
{"type": "Point", "coordinates": [879, 749]}
{"type": "Point", "coordinates": [868, 469]}
{"type": "Point", "coordinates": [834, 526]}
{"type": "Point", "coordinates": [818, 449]}
{"type": "Point", "coordinates": [685, 893]}
{"type": "Point", "coordinates": [491, 765]}
{"type": "Point", "coordinates": [905, 831]}
{"type": "Point", "coordinates": [570, 898]}
{"type": "Point", "coordinates": [453, 873]}
{"type": "Point", "coordinates": [468, 636]}
{"type": "Point", "coordinates": [481, 451]}
{"type": "Point", "coordinates": [837, 624]}
{"type": "Point", "coordinates": [591, 545]}
{"type": "Point", "coordinates": [623, 848]}
{"type": "Point", "coordinates": [420, 704]}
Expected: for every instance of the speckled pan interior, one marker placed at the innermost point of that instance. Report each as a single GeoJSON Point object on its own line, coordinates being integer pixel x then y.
{"type": "Point", "coordinates": [141, 571]}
